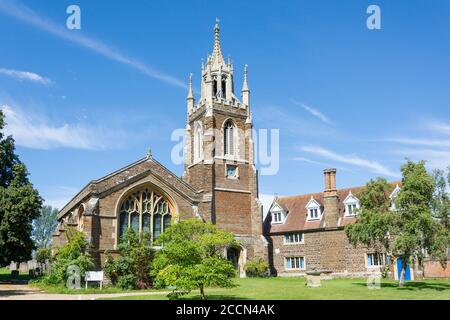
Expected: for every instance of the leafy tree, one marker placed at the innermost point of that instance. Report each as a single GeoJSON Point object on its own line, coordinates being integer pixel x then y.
{"type": "Point", "coordinates": [192, 258]}
{"type": "Point", "coordinates": [132, 269]}
{"type": "Point", "coordinates": [19, 203]}
{"type": "Point", "coordinates": [73, 253]}
{"type": "Point", "coordinates": [44, 226]}
{"type": "Point", "coordinates": [441, 201]}
{"type": "Point", "coordinates": [410, 231]}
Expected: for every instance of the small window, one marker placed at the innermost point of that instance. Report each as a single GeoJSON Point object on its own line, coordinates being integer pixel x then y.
{"type": "Point", "coordinates": [351, 209]}
{"type": "Point", "coordinates": [277, 217]}
{"type": "Point", "coordinates": [295, 263]}
{"type": "Point", "coordinates": [314, 213]}
{"type": "Point", "coordinates": [291, 238]}
{"type": "Point", "coordinates": [376, 259]}
{"type": "Point", "coordinates": [232, 171]}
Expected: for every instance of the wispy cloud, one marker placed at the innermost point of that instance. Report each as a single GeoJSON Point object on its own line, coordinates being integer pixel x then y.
{"type": "Point", "coordinates": [322, 164]}
{"type": "Point", "coordinates": [25, 75]}
{"type": "Point", "coordinates": [37, 133]}
{"type": "Point", "coordinates": [27, 15]}
{"type": "Point", "coordinates": [351, 159]}
{"type": "Point", "coordinates": [316, 113]}
{"type": "Point", "coordinates": [421, 142]}
{"type": "Point", "coordinates": [436, 159]}
{"type": "Point", "coordinates": [440, 127]}
{"type": "Point", "coordinates": [58, 196]}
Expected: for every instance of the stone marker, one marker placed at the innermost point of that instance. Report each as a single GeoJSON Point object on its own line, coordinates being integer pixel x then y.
{"type": "Point", "coordinates": [313, 279]}
{"type": "Point", "coordinates": [12, 266]}
{"type": "Point", "coordinates": [23, 267]}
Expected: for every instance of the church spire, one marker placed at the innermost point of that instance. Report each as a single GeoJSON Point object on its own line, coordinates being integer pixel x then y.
{"type": "Point", "coordinates": [217, 56]}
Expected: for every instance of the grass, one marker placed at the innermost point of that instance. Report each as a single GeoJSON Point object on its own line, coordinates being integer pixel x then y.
{"type": "Point", "coordinates": [5, 277]}
{"type": "Point", "coordinates": [337, 289]}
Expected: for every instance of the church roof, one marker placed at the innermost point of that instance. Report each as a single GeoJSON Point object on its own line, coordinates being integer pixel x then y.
{"type": "Point", "coordinates": [295, 206]}
{"type": "Point", "coordinates": [126, 175]}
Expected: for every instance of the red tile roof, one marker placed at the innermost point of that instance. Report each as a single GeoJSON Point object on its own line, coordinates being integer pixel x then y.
{"type": "Point", "coordinates": [297, 212]}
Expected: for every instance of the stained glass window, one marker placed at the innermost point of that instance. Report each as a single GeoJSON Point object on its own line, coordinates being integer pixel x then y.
{"type": "Point", "coordinates": [145, 211]}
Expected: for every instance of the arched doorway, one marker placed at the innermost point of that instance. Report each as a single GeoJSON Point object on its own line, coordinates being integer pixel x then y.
{"type": "Point", "coordinates": [237, 256]}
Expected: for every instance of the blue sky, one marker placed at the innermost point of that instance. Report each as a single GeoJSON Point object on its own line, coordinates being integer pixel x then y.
{"type": "Point", "coordinates": [83, 103]}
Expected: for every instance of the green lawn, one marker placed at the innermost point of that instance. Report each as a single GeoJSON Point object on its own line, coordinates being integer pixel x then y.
{"type": "Point", "coordinates": [294, 289]}
{"type": "Point", "coordinates": [5, 277]}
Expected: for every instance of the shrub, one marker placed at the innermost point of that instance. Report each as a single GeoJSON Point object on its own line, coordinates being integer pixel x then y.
{"type": "Point", "coordinates": [132, 269]}
{"type": "Point", "coordinates": [256, 267]}
{"type": "Point", "coordinates": [74, 253]}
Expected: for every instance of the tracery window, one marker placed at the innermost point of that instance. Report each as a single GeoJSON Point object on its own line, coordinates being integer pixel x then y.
{"type": "Point", "coordinates": [228, 138]}
{"type": "Point", "coordinates": [145, 211]}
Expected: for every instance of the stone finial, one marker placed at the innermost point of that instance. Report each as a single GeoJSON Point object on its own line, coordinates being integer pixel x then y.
{"type": "Point", "coordinates": [190, 94]}
{"type": "Point", "coordinates": [149, 153]}
{"type": "Point", "coordinates": [245, 85]}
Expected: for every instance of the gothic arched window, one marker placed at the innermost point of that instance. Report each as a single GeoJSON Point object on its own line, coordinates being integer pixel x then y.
{"type": "Point", "coordinates": [228, 138]}
{"type": "Point", "coordinates": [145, 210]}
{"type": "Point", "coordinates": [198, 142]}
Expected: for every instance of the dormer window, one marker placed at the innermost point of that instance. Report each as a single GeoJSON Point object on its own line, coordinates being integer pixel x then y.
{"type": "Point", "coordinates": [313, 210]}
{"type": "Point", "coordinates": [351, 204]}
{"type": "Point", "coordinates": [278, 214]}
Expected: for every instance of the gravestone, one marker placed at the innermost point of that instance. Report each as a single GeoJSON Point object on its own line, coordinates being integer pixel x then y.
{"type": "Point", "coordinates": [23, 267]}
{"type": "Point", "coordinates": [12, 266]}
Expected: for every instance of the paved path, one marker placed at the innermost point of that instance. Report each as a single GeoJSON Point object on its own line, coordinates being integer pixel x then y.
{"type": "Point", "coordinates": [25, 292]}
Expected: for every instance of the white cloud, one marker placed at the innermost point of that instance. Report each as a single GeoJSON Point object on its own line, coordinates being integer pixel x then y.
{"type": "Point", "coordinates": [435, 159]}
{"type": "Point", "coordinates": [351, 159]}
{"type": "Point", "coordinates": [422, 142]}
{"type": "Point", "coordinates": [25, 14]}
{"type": "Point", "coordinates": [316, 113]}
{"type": "Point", "coordinates": [37, 133]}
{"type": "Point", "coordinates": [58, 196]}
{"type": "Point", "coordinates": [25, 75]}
{"type": "Point", "coordinates": [440, 127]}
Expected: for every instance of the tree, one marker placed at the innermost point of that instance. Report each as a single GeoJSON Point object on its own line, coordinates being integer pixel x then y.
{"type": "Point", "coordinates": [19, 203]}
{"type": "Point", "coordinates": [441, 201]}
{"type": "Point", "coordinates": [44, 226]}
{"type": "Point", "coordinates": [192, 258]}
{"type": "Point", "coordinates": [132, 269]}
{"type": "Point", "coordinates": [410, 231]}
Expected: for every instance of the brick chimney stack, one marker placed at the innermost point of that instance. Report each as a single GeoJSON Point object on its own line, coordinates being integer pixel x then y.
{"type": "Point", "coordinates": [330, 199]}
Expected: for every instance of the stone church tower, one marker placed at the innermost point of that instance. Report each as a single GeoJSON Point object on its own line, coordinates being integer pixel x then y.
{"type": "Point", "coordinates": [219, 183]}
{"type": "Point", "coordinates": [219, 155]}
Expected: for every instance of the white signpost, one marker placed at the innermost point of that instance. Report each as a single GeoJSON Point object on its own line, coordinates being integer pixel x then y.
{"type": "Point", "coordinates": [94, 276]}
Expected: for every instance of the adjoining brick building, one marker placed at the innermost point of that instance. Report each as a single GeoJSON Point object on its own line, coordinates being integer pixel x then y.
{"type": "Point", "coordinates": [306, 232]}
{"type": "Point", "coordinates": [219, 183]}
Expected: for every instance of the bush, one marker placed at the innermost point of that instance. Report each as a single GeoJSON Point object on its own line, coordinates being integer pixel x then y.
{"type": "Point", "coordinates": [127, 282]}
{"type": "Point", "coordinates": [74, 253]}
{"type": "Point", "coordinates": [256, 267]}
{"type": "Point", "coordinates": [132, 269]}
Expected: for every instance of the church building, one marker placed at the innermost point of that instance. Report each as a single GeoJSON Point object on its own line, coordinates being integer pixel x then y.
{"type": "Point", "coordinates": [219, 183]}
